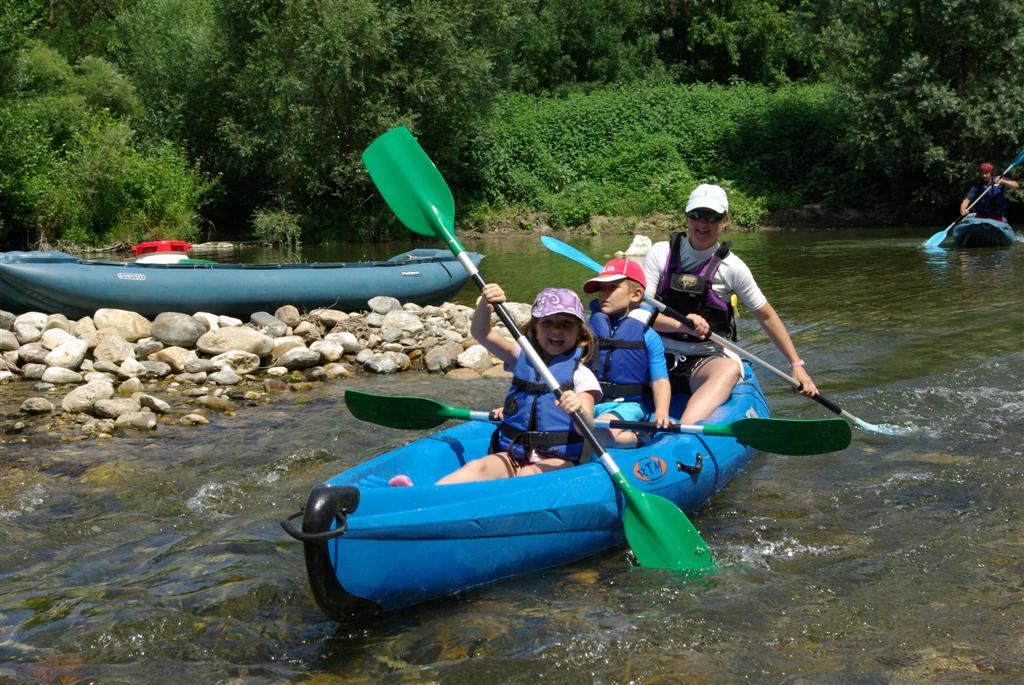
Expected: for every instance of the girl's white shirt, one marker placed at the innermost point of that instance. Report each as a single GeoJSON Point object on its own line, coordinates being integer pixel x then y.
{"type": "Point", "coordinates": [733, 276]}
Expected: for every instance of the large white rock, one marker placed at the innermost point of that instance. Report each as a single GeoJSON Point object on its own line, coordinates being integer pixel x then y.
{"type": "Point", "coordinates": [113, 348]}
{"type": "Point", "coordinates": [69, 355]}
{"type": "Point", "coordinates": [235, 338]}
{"type": "Point", "coordinates": [130, 325]}
{"type": "Point", "coordinates": [299, 358]}
{"type": "Point", "coordinates": [241, 362]}
{"type": "Point", "coordinates": [55, 337]}
{"type": "Point", "coordinates": [59, 375]}
{"type": "Point", "coordinates": [329, 350]}
{"type": "Point", "coordinates": [476, 357]}
{"type": "Point", "coordinates": [175, 357]}
{"type": "Point", "coordinates": [34, 319]}
{"type": "Point", "coordinates": [348, 341]}
{"type": "Point", "coordinates": [26, 332]}
{"type": "Point", "coordinates": [81, 399]}
{"type": "Point", "coordinates": [8, 341]}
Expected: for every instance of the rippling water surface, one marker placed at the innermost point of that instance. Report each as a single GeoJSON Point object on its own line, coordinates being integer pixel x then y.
{"type": "Point", "coordinates": [901, 559]}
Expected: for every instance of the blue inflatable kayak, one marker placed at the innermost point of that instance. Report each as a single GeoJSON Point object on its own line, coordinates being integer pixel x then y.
{"type": "Point", "coordinates": [977, 232]}
{"type": "Point", "coordinates": [371, 548]}
{"type": "Point", "coordinates": [53, 282]}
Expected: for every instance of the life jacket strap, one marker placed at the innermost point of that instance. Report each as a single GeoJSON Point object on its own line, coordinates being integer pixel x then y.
{"type": "Point", "coordinates": [611, 391]}
{"type": "Point", "coordinates": [539, 439]}
{"type": "Point", "coordinates": [536, 387]}
{"type": "Point", "coordinates": [610, 343]}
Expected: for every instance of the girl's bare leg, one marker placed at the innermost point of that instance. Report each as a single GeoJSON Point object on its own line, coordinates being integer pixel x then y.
{"type": "Point", "coordinates": [490, 467]}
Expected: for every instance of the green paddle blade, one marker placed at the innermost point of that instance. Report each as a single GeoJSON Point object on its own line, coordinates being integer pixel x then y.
{"type": "Point", "coordinates": [659, 533]}
{"type": "Point", "coordinates": [416, 413]}
{"type": "Point", "coordinates": [411, 185]}
{"type": "Point", "coordinates": [787, 436]}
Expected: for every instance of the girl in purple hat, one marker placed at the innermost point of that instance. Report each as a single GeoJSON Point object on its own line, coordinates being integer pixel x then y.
{"type": "Point", "coordinates": [536, 434]}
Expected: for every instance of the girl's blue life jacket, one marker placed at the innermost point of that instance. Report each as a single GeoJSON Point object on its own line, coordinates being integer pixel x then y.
{"type": "Point", "coordinates": [532, 420]}
{"type": "Point", "coordinates": [620, 358]}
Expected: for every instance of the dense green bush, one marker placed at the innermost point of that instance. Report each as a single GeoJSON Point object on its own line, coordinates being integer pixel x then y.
{"type": "Point", "coordinates": [74, 170]}
{"type": "Point", "coordinates": [936, 88]}
{"type": "Point", "coordinates": [639, 149]}
{"type": "Point", "coordinates": [277, 227]}
{"type": "Point", "coordinates": [277, 98]}
{"type": "Point", "coordinates": [107, 191]}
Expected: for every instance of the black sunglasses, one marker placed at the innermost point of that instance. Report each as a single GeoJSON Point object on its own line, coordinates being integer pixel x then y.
{"type": "Point", "coordinates": [705, 214]}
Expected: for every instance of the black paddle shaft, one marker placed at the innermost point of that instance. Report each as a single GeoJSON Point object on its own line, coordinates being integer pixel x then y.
{"type": "Point", "coordinates": [645, 425]}
{"type": "Point", "coordinates": [581, 423]}
{"type": "Point", "coordinates": [819, 398]}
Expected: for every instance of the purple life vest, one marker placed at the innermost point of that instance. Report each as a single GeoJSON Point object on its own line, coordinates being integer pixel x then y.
{"type": "Point", "coordinates": [691, 293]}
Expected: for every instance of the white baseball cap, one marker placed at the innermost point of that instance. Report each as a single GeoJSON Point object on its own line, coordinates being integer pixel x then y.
{"type": "Point", "coordinates": [708, 196]}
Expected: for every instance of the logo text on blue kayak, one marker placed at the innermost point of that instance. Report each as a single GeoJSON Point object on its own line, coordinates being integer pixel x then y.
{"type": "Point", "coordinates": [128, 276]}
{"type": "Point", "coordinates": [650, 468]}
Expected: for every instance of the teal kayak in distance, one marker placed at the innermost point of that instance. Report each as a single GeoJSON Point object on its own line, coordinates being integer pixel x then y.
{"type": "Point", "coordinates": [974, 231]}
{"type": "Point", "coordinates": [56, 282]}
{"type": "Point", "coordinates": [370, 548]}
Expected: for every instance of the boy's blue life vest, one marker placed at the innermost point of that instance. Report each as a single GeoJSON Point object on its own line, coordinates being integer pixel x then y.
{"type": "Point", "coordinates": [531, 419]}
{"type": "Point", "coordinates": [620, 360]}
{"type": "Point", "coordinates": [993, 205]}
{"type": "Point", "coordinates": [691, 293]}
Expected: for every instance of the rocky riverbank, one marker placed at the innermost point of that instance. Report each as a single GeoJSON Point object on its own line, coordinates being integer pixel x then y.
{"type": "Point", "coordinates": [117, 371]}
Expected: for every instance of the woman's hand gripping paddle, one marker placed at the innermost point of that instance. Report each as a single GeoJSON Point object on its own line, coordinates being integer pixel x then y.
{"type": "Point", "coordinates": [659, 533]}
{"type": "Point", "coordinates": [558, 247]}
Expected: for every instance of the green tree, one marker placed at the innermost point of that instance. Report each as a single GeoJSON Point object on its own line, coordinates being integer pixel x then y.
{"type": "Point", "coordinates": [935, 85]}
{"type": "Point", "coordinates": [724, 40]}
{"type": "Point", "coordinates": [72, 167]}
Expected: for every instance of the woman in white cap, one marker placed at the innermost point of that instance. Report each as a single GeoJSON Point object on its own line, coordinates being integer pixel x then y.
{"type": "Point", "coordinates": [696, 275]}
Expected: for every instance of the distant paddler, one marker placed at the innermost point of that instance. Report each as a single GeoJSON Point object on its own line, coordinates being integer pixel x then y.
{"type": "Point", "coordinates": [987, 195]}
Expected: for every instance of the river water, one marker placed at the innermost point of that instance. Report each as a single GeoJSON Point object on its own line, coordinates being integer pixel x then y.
{"type": "Point", "coordinates": [899, 560]}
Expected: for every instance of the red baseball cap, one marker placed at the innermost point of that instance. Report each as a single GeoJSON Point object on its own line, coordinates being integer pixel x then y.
{"type": "Point", "coordinates": [985, 168]}
{"type": "Point", "coordinates": [616, 270]}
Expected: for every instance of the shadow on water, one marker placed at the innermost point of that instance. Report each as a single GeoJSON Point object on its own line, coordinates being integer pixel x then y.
{"type": "Point", "coordinates": [898, 560]}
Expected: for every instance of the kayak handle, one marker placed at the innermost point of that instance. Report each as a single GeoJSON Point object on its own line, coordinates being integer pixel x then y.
{"type": "Point", "coordinates": [325, 503]}
{"type": "Point", "coordinates": [324, 536]}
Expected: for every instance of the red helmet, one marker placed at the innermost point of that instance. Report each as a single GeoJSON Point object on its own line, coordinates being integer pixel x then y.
{"type": "Point", "coordinates": [985, 168]}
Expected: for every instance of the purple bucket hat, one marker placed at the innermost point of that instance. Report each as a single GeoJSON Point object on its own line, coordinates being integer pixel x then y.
{"type": "Point", "coordinates": [557, 301]}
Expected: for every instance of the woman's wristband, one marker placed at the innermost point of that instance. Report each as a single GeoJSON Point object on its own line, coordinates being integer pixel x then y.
{"type": "Point", "coordinates": [798, 362]}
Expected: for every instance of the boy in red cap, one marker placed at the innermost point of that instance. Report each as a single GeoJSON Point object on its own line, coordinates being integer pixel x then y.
{"type": "Point", "coordinates": [629, 360]}
{"type": "Point", "coordinates": [986, 195]}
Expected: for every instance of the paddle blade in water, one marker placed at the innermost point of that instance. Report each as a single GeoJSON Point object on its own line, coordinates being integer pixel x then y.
{"type": "Point", "coordinates": [410, 183]}
{"type": "Point", "coordinates": [661, 535]}
{"type": "Point", "coordinates": [415, 413]}
{"type": "Point", "coordinates": [788, 436]}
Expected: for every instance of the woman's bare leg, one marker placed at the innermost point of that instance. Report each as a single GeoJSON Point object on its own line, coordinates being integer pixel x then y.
{"type": "Point", "coordinates": [710, 384]}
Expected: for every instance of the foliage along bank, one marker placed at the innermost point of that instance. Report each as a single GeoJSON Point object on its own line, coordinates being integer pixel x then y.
{"type": "Point", "coordinates": [131, 119]}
